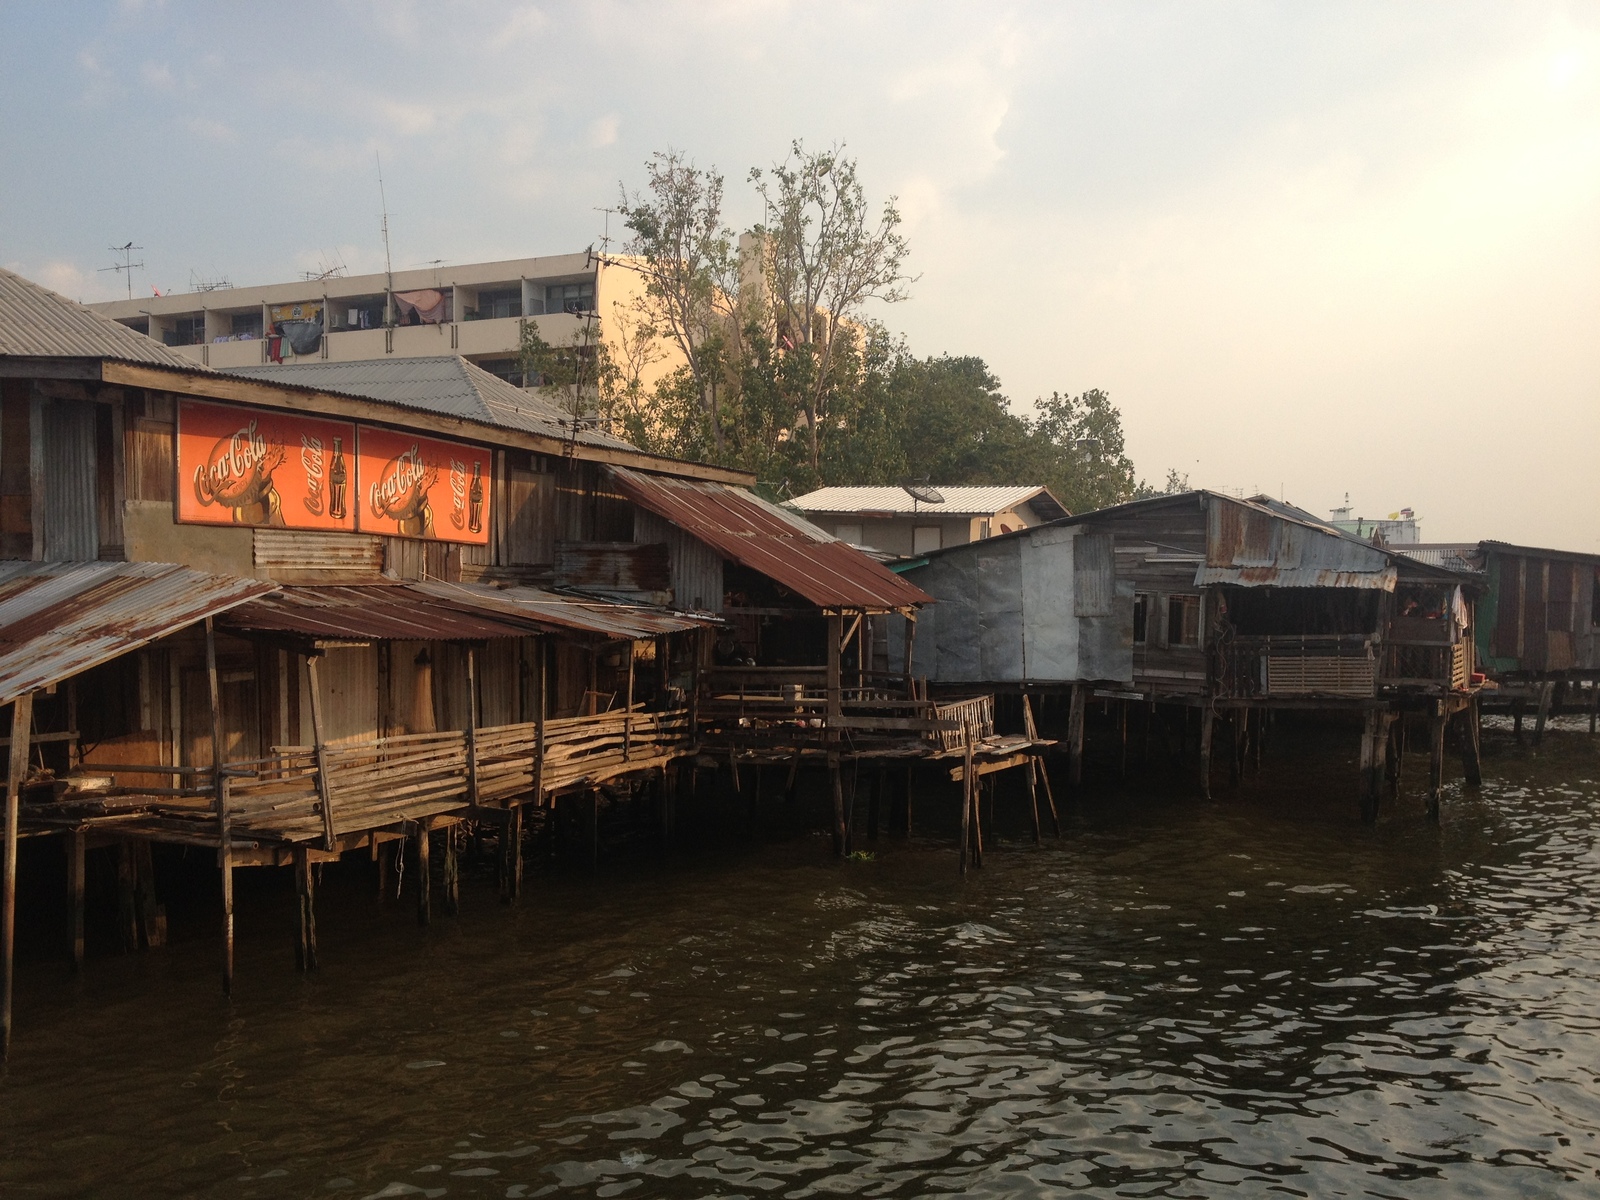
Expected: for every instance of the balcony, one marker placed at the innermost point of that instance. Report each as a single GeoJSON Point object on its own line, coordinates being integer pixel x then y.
{"type": "Point", "coordinates": [1289, 665]}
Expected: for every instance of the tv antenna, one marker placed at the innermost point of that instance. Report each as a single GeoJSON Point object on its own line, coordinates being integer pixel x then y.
{"type": "Point", "coordinates": [204, 283]}
{"type": "Point", "coordinates": [127, 266]}
{"type": "Point", "coordinates": [388, 262]}
{"type": "Point", "coordinates": [605, 237]}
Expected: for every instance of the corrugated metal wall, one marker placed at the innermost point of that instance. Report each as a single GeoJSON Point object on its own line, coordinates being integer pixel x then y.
{"type": "Point", "coordinates": [696, 568]}
{"type": "Point", "coordinates": [66, 466]}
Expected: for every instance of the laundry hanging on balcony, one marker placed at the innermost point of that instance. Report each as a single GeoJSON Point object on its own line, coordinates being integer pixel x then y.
{"type": "Point", "coordinates": [304, 337]}
{"type": "Point", "coordinates": [426, 307]}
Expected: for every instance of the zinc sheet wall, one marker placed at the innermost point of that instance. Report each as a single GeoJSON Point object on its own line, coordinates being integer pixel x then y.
{"type": "Point", "coordinates": [1009, 611]}
{"type": "Point", "coordinates": [695, 568]}
{"type": "Point", "coordinates": [66, 471]}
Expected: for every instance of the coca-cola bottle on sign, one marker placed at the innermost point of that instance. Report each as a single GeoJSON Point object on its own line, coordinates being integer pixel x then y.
{"type": "Point", "coordinates": [475, 500]}
{"type": "Point", "coordinates": [338, 474]}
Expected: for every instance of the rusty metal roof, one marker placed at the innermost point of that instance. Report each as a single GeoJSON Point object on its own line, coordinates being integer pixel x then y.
{"type": "Point", "coordinates": [58, 620]}
{"type": "Point", "coordinates": [1253, 543]}
{"type": "Point", "coordinates": [37, 323]}
{"type": "Point", "coordinates": [367, 612]}
{"type": "Point", "coordinates": [562, 611]}
{"type": "Point", "coordinates": [425, 611]}
{"type": "Point", "coordinates": [785, 548]}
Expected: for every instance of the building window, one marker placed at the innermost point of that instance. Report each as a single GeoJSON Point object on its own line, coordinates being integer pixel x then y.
{"type": "Point", "coordinates": [186, 331]}
{"type": "Point", "coordinates": [1183, 620]}
{"type": "Point", "coordinates": [848, 533]}
{"type": "Point", "coordinates": [246, 325]}
{"type": "Point", "coordinates": [925, 539]}
{"type": "Point", "coordinates": [569, 298]}
{"type": "Point", "coordinates": [983, 528]}
{"type": "Point", "coordinates": [1141, 618]}
{"type": "Point", "coordinates": [509, 369]}
{"type": "Point", "coordinates": [502, 302]}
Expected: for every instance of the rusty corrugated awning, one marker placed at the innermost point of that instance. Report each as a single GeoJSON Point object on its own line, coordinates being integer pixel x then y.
{"type": "Point", "coordinates": [58, 620]}
{"type": "Point", "coordinates": [785, 548]}
{"type": "Point", "coordinates": [560, 611]}
{"type": "Point", "coordinates": [1296, 577]}
{"type": "Point", "coordinates": [425, 611]}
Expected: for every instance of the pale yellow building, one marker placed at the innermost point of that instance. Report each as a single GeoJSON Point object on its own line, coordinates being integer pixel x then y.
{"type": "Point", "coordinates": [474, 310]}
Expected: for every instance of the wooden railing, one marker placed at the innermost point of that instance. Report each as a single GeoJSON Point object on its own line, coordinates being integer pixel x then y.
{"type": "Point", "coordinates": [380, 781]}
{"type": "Point", "coordinates": [972, 721]}
{"type": "Point", "coordinates": [1286, 666]}
{"type": "Point", "coordinates": [1426, 665]}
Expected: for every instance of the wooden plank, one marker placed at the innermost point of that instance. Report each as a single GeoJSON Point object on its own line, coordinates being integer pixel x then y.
{"type": "Point", "coordinates": [320, 748]}
{"type": "Point", "coordinates": [21, 726]}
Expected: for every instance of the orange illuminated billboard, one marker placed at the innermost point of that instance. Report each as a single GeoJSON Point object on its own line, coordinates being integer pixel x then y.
{"type": "Point", "coordinates": [240, 466]}
{"type": "Point", "coordinates": [423, 487]}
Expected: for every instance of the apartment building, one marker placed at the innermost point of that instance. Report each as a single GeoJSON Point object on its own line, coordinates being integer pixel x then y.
{"type": "Point", "coordinates": [474, 310]}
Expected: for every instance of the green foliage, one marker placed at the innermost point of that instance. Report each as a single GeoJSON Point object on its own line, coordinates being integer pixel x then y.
{"type": "Point", "coordinates": [781, 373]}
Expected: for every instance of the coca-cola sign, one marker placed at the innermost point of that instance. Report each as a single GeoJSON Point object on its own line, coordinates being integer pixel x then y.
{"type": "Point", "coordinates": [422, 487]}
{"type": "Point", "coordinates": [252, 467]}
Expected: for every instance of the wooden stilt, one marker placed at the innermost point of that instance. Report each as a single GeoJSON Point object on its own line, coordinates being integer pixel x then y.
{"type": "Point", "coordinates": [839, 831]}
{"type": "Point", "coordinates": [1080, 698]}
{"type": "Point", "coordinates": [1033, 798]}
{"type": "Point", "coordinates": [452, 872]}
{"type": "Point", "coordinates": [305, 891]}
{"type": "Point", "coordinates": [793, 779]}
{"type": "Point", "coordinates": [1208, 719]}
{"type": "Point", "coordinates": [1594, 707]}
{"type": "Point", "coordinates": [1122, 730]}
{"type": "Point", "coordinates": [910, 776]}
{"type": "Point", "coordinates": [424, 874]}
{"type": "Point", "coordinates": [127, 896]}
{"type": "Point", "coordinates": [511, 855]}
{"type": "Point", "coordinates": [594, 829]}
{"type": "Point", "coordinates": [1371, 782]}
{"type": "Point", "coordinates": [152, 917]}
{"type": "Point", "coordinates": [472, 725]}
{"type": "Point", "coordinates": [977, 821]}
{"type": "Point", "coordinates": [1237, 720]}
{"type": "Point", "coordinates": [219, 779]}
{"type": "Point", "coordinates": [1435, 761]}
{"type": "Point", "coordinates": [76, 843]}
{"type": "Point", "coordinates": [1546, 691]}
{"type": "Point", "coordinates": [320, 749]}
{"type": "Point", "coordinates": [1516, 720]}
{"type": "Point", "coordinates": [382, 860]}
{"type": "Point", "coordinates": [21, 739]}
{"type": "Point", "coordinates": [873, 803]}
{"type": "Point", "coordinates": [966, 807]}
{"type": "Point", "coordinates": [1471, 756]}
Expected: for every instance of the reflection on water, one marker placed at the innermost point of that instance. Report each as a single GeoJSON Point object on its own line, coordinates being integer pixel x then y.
{"type": "Point", "coordinates": [1249, 997]}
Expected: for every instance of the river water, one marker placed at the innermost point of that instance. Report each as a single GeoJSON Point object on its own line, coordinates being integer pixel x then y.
{"type": "Point", "coordinates": [1256, 996]}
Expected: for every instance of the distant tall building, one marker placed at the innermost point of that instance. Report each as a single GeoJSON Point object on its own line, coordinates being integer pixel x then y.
{"type": "Point", "coordinates": [474, 310]}
{"type": "Point", "coordinates": [1397, 529]}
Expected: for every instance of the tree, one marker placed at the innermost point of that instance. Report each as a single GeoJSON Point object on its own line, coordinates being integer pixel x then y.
{"type": "Point", "coordinates": [685, 255]}
{"type": "Point", "coordinates": [1079, 444]}
{"type": "Point", "coordinates": [822, 254]}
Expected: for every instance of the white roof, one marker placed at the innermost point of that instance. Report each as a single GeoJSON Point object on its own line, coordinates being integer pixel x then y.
{"type": "Point", "coordinates": [958, 501]}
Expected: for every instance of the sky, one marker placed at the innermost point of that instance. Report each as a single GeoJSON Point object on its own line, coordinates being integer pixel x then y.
{"type": "Point", "coordinates": [1308, 249]}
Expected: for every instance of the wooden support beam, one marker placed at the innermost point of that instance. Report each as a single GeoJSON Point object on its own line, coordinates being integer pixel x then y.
{"type": "Point", "coordinates": [452, 872]}
{"type": "Point", "coordinates": [472, 725]}
{"type": "Point", "coordinates": [127, 897]}
{"type": "Point", "coordinates": [874, 801]}
{"type": "Point", "coordinates": [21, 728]}
{"type": "Point", "coordinates": [422, 840]}
{"type": "Point", "coordinates": [839, 832]}
{"type": "Point", "coordinates": [627, 708]}
{"type": "Point", "coordinates": [1436, 727]}
{"type": "Point", "coordinates": [911, 641]}
{"type": "Point", "coordinates": [1033, 800]}
{"type": "Point", "coordinates": [911, 776]}
{"type": "Point", "coordinates": [511, 856]}
{"type": "Point", "coordinates": [219, 779]}
{"type": "Point", "coordinates": [1471, 747]}
{"type": "Point", "coordinates": [305, 891]}
{"type": "Point", "coordinates": [967, 777]}
{"type": "Point", "coordinates": [1373, 730]}
{"type": "Point", "coordinates": [1208, 720]}
{"type": "Point", "coordinates": [835, 702]}
{"type": "Point", "coordinates": [319, 745]}
{"type": "Point", "coordinates": [1547, 689]}
{"type": "Point", "coordinates": [77, 845]}
{"type": "Point", "coordinates": [594, 829]}
{"type": "Point", "coordinates": [539, 704]}
{"type": "Point", "coordinates": [1080, 700]}
{"type": "Point", "coordinates": [152, 917]}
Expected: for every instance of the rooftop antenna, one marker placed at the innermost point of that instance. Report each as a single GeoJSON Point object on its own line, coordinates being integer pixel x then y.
{"type": "Point", "coordinates": [127, 266]}
{"type": "Point", "coordinates": [388, 261]}
{"type": "Point", "coordinates": [605, 237]}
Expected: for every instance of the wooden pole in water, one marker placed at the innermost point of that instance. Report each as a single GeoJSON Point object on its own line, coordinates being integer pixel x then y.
{"type": "Point", "coordinates": [1208, 719]}
{"type": "Point", "coordinates": [1546, 691]}
{"type": "Point", "coordinates": [224, 818]}
{"type": "Point", "coordinates": [511, 855]}
{"type": "Point", "coordinates": [1371, 763]}
{"type": "Point", "coordinates": [835, 703]}
{"type": "Point", "coordinates": [966, 800]}
{"type": "Point", "coordinates": [873, 803]}
{"type": "Point", "coordinates": [472, 726]}
{"type": "Point", "coordinates": [594, 829]}
{"type": "Point", "coordinates": [1080, 700]}
{"type": "Point", "coordinates": [452, 872]}
{"type": "Point", "coordinates": [77, 842]}
{"type": "Point", "coordinates": [1436, 759]}
{"type": "Point", "coordinates": [424, 880]}
{"type": "Point", "coordinates": [21, 738]}
{"type": "Point", "coordinates": [305, 895]}
{"type": "Point", "coordinates": [1471, 756]}
{"type": "Point", "coordinates": [1033, 798]}
{"type": "Point", "coordinates": [910, 779]}
{"type": "Point", "coordinates": [319, 744]}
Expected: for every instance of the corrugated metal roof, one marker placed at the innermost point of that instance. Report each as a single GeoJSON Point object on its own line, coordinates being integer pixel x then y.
{"type": "Point", "coordinates": [563, 611]}
{"type": "Point", "coordinates": [958, 501]}
{"type": "Point", "coordinates": [1453, 556]}
{"type": "Point", "coordinates": [413, 611]}
{"type": "Point", "coordinates": [37, 323]}
{"type": "Point", "coordinates": [445, 383]}
{"type": "Point", "coordinates": [785, 548]}
{"type": "Point", "coordinates": [1296, 577]}
{"type": "Point", "coordinates": [58, 620]}
{"type": "Point", "coordinates": [367, 612]}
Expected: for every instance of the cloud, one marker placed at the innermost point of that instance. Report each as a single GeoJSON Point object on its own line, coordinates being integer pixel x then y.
{"type": "Point", "coordinates": [158, 75]}
{"type": "Point", "coordinates": [603, 130]}
{"type": "Point", "coordinates": [213, 131]}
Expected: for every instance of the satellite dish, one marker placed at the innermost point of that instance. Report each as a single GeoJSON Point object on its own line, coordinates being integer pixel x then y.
{"type": "Point", "coordinates": [923, 493]}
